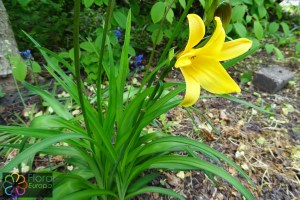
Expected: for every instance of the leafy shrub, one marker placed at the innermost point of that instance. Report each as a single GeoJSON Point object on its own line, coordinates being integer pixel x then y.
{"type": "Point", "coordinates": [49, 22]}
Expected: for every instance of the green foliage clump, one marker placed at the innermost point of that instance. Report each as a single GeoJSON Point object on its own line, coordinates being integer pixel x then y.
{"type": "Point", "coordinates": [49, 22]}
{"type": "Point", "coordinates": [2, 93]}
{"type": "Point", "coordinates": [262, 20]}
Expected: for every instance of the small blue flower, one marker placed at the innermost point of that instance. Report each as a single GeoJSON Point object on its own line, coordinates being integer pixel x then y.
{"type": "Point", "coordinates": [138, 59]}
{"type": "Point", "coordinates": [137, 62]}
{"type": "Point", "coordinates": [139, 68]}
{"type": "Point", "coordinates": [118, 32]}
{"type": "Point", "coordinates": [26, 54]}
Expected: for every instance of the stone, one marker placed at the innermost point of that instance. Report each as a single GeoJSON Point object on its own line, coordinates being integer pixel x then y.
{"type": "Point", "coordinates": [8, 84]}
{"type": "Point", "coordinates": [8, 45]}
{"type": "Point", "coordinates": [271, 79]}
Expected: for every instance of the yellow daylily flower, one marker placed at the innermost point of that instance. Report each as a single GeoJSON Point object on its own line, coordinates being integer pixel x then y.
{"type": "Point", "coordinates": [201, 66]}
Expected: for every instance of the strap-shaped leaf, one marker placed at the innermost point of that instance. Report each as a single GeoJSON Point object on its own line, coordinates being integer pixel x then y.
{"type": "Point", "coordinates": [160, 190]}
{"type": "Point", "coordinates": [38, 147]}
{"type": "Point", "coordinates": [198, 146]}
{"type": "Point", "coordinates": [124, 67]}
{"type": "Point", "coordinates": [184, 163]}
{"type": "Point", "coordinates": [60, 110]}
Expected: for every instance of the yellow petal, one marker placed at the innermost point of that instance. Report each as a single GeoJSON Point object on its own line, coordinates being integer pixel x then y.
{"type": "Point", "coordinates": [192, 92]}
{"type": "Point", "coordinates": [212, 76]}
{"type": "Point", "coordinates": [214, 45]}
{"type": "Point", "coordinates": [183, 61]}
{"type": "Point", "coordinates": [197, 31]}
{"type": "Point", "coordinates": [234, 49]}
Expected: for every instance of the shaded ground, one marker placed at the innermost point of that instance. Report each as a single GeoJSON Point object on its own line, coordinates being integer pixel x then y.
{"type": "Point", "coordinates": [264, 146]}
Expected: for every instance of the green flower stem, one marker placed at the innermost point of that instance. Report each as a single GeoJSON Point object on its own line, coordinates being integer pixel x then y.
{"type": "Point", "coordinates": [77, 63]}
{"type": "Point", "coordinates": [24, 105]}
{"type": "Point", "coordinates": [22, 146]}
{"type": "Point", "coordinates": [206, 119]}
{"type": "Point", "coordinates": [176, 32]}
{"type": "Point", "coordinates": [110, 8]}
{"type": "Point", "coordinates": [168, 46]}
{"type": "Point", "coordinates": [156, 39]}
{"type": "Point", "coordinates": [19, 92]}
{"type": "Point", "coordinates": [36, 82]}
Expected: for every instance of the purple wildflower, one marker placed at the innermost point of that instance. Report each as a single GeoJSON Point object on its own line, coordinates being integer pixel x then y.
{"type": "Point", "coordinates": [138, 62]}
{"type": "Point", "coordinates": [26, 54]}
{"type": "Point", "coordinates": [118, 32]}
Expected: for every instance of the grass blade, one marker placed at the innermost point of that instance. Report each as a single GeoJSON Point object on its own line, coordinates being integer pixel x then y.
{"type": "Point", "coordinates": [38, 147]}
{"type": "Point", "coordinates": [86, 194]}
{"type": "Point", "coordinates": [245, 103]}
{"type": "Point", "coordinates": [124, 67]}
{"type": "Point", "coordinates": [179, 141]}
{"type": "Point", "coordinates": [60, 110]}
{"type": "Point", "coordinates": [183, 163]}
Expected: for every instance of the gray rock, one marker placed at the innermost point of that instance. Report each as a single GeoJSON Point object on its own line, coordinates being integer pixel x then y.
{"type": "Point", "coordinates": [272, 79]}
{"type": "Point", "coordinates": [8, 45]}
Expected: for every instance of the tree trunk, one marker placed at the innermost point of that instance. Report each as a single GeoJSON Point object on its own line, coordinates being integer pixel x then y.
{"type": "Point", "coordinates": [8, 45]}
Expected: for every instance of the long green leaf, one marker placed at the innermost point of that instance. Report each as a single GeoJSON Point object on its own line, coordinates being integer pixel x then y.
{"type": "Point", "coordinates": [245, 103]}
{"type": "Point", "coordinates": [68, 151]}
{"type": "Point", "coordinates": [137, 184]}
{"type": "Point", "coordinates": [170, 161]}
{"type": "Point", "coordinates": [30, 132]}
{"type": "Point", "coordinates": [157, 190]}
{"type": "Point", "coordinates": [178, 141]}
{"type": "Point", "coordinates": [163, 100]}
{"type": "Point", "coordinates": [70, 87]}
{"type": "Point", "coordinates": [155, 70]}
{"type": "Point", "coordinates": [55, 105]}
{"type": "Point", "coordinates": [53, 121]}
{"type": "Point", "coordinates": [207, 119]}
{"type": "Point", "coordinates": [60, 59]}
{"type": "Point", "coordinates": [62, 78]}
{"type": "Point", "coordinates": [149, 117]}
{"type": "Point", "coordinates": [129, 117]}
{"type": "Point", "coordinates": [109, 122]}
{"type": "Point", "coordinates": [38, 147]}
{"type": "Point", "coordinates": [68, 184]}
{"type": "Point", "coordinates": [124, 67]}
{"type": "Point", "coordinates": [84, 194]}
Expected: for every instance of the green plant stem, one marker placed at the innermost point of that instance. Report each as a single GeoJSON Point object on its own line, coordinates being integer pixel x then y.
{"type": "Point", "coordinates": [110, 8]}
{"type": "Point", "coordinates": [22, 146]}
{"type": "Point", "coordinates": [35, 80]}
{"type": "Point", "coordinates": [77, 63]}
{"type": "Point", "coordinates": [24, 105]}
{"type": "Point", "coordinates": [206, 118]}
{"type": "Point", "coordinates": [170, 42]}
{"type": "Point", "coordinates": [176, 31]}
{"type": "Point", "coordinates": [156, 39]}
{"type": "Point", "coordinates": [19, 93]}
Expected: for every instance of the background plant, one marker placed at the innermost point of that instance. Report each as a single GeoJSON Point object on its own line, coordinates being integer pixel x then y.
{"type": "Point", "coordinates": [47, 21]}
{"type": "Point", "coordinates": [2, 93]}
{"type": "Point", "coordinates": [264, 19]}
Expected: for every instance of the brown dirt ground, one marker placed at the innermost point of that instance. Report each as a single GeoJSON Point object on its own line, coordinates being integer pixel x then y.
{"type": "Point", "coordinates": [266, 147]}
